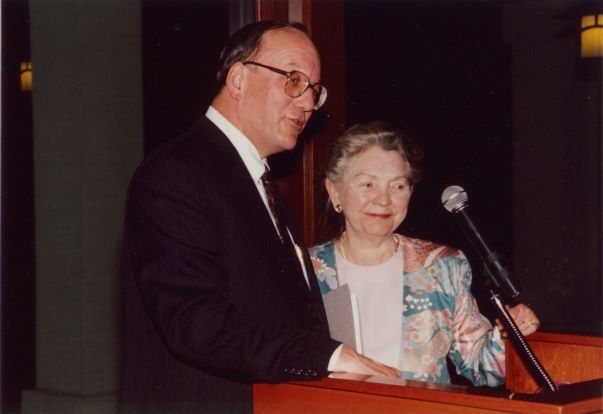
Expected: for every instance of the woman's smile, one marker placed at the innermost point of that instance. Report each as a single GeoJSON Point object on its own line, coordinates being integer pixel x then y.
{"type": "Point", "coordinates": [379, 216]}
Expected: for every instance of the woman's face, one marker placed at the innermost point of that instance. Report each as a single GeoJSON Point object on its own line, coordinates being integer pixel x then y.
{"type": "Point", "coordinates": [373, 192]}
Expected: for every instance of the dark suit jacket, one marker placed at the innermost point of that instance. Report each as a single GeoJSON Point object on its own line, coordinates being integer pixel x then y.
{"type": "Point", "coordinates": [213, 300]}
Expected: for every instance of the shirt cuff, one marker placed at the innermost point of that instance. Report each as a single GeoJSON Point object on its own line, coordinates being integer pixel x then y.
{"type": "Point", "coordinates": [334, 358]}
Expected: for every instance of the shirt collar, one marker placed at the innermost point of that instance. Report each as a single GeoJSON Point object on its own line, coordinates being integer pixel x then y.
{"type": "Point", "coordinates": [256, 165]}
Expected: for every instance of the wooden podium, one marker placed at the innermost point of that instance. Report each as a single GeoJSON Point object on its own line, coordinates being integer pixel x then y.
{"type": "Point", "coordinates": [364, 394]}
{"type": "Point", "coordinates": [567, 358]}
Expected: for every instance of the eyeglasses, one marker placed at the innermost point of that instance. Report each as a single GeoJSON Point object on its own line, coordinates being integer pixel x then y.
{"type": "Point", "coordinates": [297, 83]}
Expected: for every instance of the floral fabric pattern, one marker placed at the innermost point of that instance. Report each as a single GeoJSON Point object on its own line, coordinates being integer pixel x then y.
{"type": "Point", "coordinates": [440, 317]}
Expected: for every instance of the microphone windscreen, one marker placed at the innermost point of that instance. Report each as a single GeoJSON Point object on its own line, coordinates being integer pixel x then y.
{"type": "Point", "coordinates": [454, 198]}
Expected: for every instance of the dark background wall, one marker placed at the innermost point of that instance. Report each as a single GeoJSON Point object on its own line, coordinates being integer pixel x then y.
{"type": "Point", "coordinates": [557, 171]}
{"type": "Point", "coordinates": [498, 98]}
{"type": "Point", "coordinates": [439, 71]}
{"type": "Point", "coordinates": [181, 41]}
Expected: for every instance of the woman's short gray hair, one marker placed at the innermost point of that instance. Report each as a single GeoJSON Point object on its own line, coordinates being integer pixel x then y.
{"type": "Point", "coordinates": [361, 137]}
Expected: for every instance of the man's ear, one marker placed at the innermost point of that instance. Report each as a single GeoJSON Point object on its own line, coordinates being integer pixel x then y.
{"type": "Point", "coordinates": [234, 80]}
{"type": "Point", "coordinates": [333, 193]}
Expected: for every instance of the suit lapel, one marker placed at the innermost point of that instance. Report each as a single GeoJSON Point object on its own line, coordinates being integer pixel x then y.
{"type": "Point", "coordinates": [240, 187]}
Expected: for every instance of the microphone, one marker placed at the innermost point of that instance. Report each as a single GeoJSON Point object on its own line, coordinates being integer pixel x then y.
{"type": "Point", "coordinates": [456, 201]}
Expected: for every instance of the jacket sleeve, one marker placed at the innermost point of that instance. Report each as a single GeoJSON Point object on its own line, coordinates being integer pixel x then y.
{"type": "Point", "coordinates": [477, 349]}
{"type": "Point", "coordinates": [173, 234]}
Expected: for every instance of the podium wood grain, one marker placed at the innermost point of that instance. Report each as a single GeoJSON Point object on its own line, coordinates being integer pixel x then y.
{"type": "Point", "coordinates": [382, 395]}
{"type": "Point", "coordinates": [567, 359]}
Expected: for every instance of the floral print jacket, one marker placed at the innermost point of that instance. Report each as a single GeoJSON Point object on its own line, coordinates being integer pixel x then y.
{"type": "Point", "coordinates": [440, 316]}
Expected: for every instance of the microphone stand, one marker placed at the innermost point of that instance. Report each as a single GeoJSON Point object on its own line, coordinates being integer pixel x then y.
{"type": "Point", "coordinates": [455, 200]}
{"type": "Point", "coordinates": [519, 342]}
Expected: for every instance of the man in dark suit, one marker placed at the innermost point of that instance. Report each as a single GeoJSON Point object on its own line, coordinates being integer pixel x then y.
{"type": "Point", "coordinates": [219, 291]}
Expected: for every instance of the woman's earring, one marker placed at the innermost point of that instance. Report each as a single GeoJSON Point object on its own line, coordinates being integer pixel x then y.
{"type": "Point", "coordinates": [338, 208]}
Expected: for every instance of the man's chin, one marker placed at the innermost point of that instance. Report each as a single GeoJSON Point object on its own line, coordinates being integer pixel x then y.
{"type": "Point", "coordinates": [289, 142]}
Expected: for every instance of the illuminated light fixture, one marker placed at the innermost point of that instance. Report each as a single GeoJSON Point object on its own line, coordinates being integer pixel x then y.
{"type": "Point", "coordinates": [591, 36]}
{"type": "Point", "coordinates": [26, 77]}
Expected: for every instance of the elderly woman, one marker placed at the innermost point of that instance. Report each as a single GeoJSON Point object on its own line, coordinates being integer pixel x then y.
{"type": "Point", "coordinates": [414, 297]}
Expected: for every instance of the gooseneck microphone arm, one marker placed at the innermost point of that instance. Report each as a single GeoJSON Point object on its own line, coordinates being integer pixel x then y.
{"type": "Point", "coordinates": [498, 274]}
{"type": "Point", "coordinates": [456, 201]}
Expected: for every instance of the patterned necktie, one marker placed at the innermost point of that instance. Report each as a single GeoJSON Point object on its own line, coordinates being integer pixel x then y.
{"type": "Point", "coordinates": [271, 196]}
{"type": "Point", "coordinates": [283, 234]}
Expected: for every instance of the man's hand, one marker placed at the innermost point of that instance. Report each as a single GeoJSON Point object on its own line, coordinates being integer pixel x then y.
{"type": "Point", "coordinates": [352, 362]}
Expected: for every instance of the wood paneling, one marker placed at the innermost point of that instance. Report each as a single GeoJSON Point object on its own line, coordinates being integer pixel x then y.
{"type": "Point", "coordinates": [271, 9]}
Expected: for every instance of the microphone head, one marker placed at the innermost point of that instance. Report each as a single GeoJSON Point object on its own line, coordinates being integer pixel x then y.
{"type": "Point", "coordinates": [454, 198]}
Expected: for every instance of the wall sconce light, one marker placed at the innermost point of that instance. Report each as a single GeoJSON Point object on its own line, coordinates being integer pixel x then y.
{"type": "Point", "coordinates": [26, 77]}
{"type": "Point", "coordinates": [591, 36]}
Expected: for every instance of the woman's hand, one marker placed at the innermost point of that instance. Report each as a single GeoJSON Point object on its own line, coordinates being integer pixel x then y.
{"type": "Point", "coordinates": [352, 362]}
{"type": "Point", "coordinates": [525, 319]}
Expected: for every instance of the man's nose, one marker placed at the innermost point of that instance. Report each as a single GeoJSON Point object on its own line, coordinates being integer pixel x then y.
{"type": "Point", "coordinates": [306, 100]}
